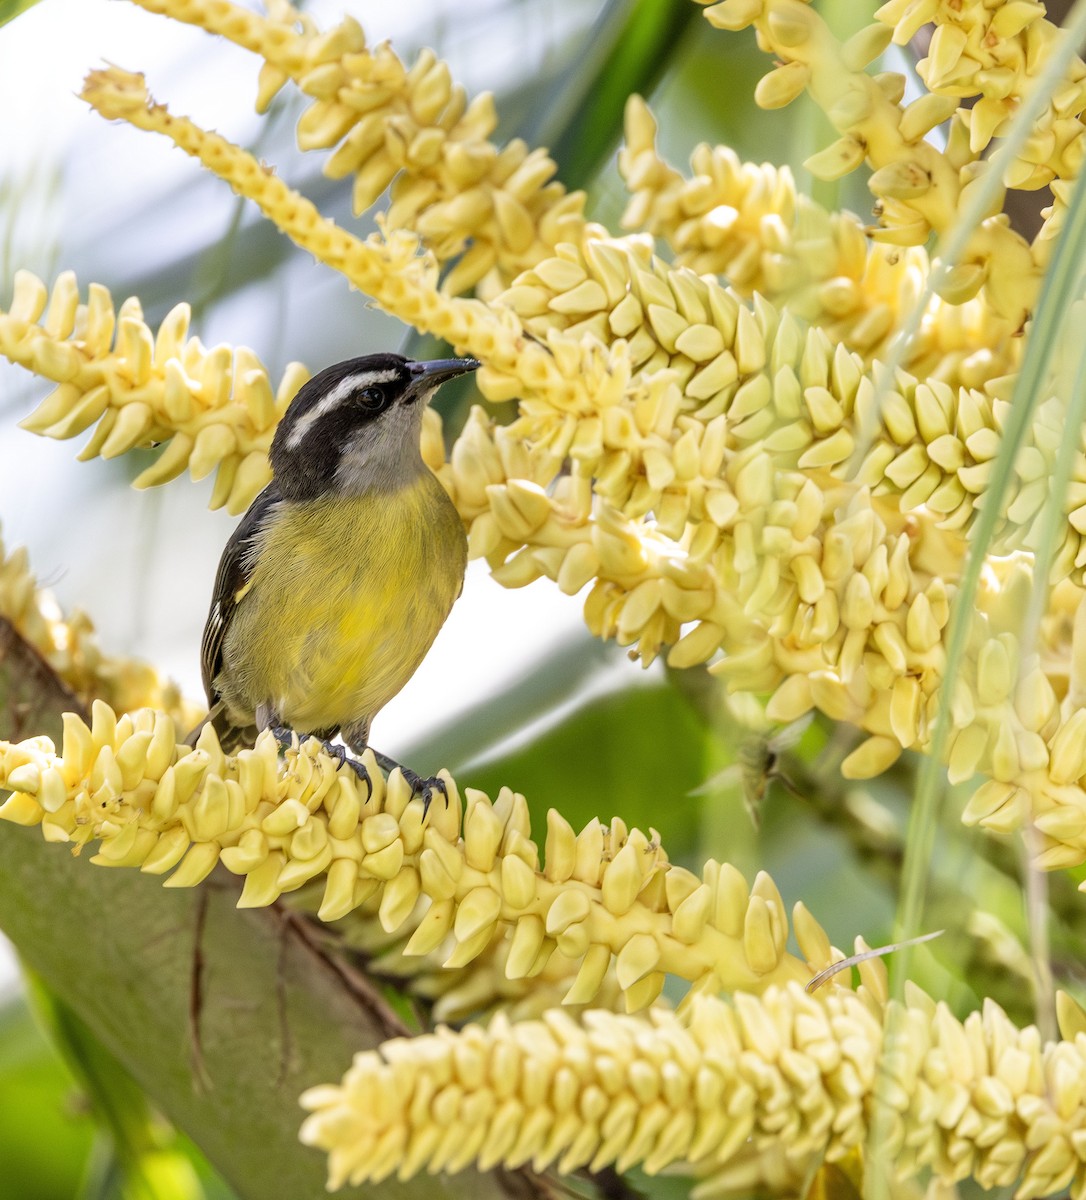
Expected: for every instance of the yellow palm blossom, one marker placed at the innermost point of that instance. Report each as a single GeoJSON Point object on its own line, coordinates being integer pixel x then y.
{"type": "Point", "coordinates": [138, 387]}
{"type": "Point", "coordinates": [605, 893]}
{"type": "Point", "coordinates": [748, 223]}
{"type": "Point", "coordinates": [409, 127]}
{"type": "Point", "coordinates": [712, 497]}
{"type": "Point", "coordinates": [996, 53]}
{"type": "Point", "coordinates": [919, 188]}
{"type": "Point", "coordinates": [759, 1090]}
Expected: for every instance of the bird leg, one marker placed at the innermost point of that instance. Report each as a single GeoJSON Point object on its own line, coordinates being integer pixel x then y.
{"type": "Point", "coordinates": [284, 735]}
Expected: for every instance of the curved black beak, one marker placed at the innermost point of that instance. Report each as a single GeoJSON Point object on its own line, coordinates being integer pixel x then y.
{"type": "Point", "coordinates": [438, 370]}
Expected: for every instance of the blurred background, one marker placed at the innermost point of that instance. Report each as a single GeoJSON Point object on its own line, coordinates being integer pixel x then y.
{"type": "Point", "coordinates": [515, 691]}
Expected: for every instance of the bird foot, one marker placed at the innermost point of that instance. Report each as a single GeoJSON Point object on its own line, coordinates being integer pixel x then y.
{"type": "Point", "coordinates": [418, 785]}
{"type": "Point", "coordinates": [284, 735]}
{"type": "Point", "coordinates": [426, 788]}
{"type": "Point", "coordinates": [340, 754]}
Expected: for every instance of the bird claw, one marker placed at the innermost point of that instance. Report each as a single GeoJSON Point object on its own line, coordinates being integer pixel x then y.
{"type": "Point", "coordinates": [339, 753]}
{"type": "Point", "coordinates": [419, 786]}
{"type": "Point", "coordinates": [360, 770]}
{"type": "Point", "coordinates": [425, 788]}
{"type": "Point", "coordinates": [429, 786]}
{"type": "Point", "coordinates": [284, 735]}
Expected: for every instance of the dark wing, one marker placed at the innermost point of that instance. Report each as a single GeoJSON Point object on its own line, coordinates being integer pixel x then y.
{"type": "Point", "coordinates": [231, 581]}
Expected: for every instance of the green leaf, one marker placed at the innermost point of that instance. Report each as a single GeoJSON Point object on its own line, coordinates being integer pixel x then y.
{"type": "Point", "coordinates": [140, 1160]}
{"type": "Point", "coordinates": [567, 669]}
{"type": "Point", "coordinates": [637, 752]}
{"type": "Point", "coordinates": [580, 116]}
{"type": "Point", "coordinates": [10, 9]}
{"type": "Point", "coordinates": [44, 1136]}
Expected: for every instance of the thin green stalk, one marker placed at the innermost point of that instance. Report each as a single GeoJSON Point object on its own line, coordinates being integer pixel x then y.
{"type": "Point", "coordinates": [1053, 527]}
{"type": "Point", "coordinates": [1058, 291]}
{"type": "Point", "coordinates": [1053, 516]}
{"type": "Point", "coordinates": [952, 243]}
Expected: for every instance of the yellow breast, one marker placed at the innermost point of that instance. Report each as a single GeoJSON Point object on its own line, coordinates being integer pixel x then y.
{"type": "Point", "coordinates": [346, 598]}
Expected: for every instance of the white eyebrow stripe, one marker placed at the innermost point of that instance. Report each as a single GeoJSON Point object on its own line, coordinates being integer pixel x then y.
{"type": "Point", "coordinates": [367, 377]}
{"type": "Point", "coordinates": [334, 398]}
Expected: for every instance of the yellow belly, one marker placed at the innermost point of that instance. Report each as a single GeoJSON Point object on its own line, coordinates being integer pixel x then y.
{"type": "Point", "coordinates": [346, 599]}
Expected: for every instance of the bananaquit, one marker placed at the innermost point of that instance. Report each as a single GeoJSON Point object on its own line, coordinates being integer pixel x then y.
{"type": "Point", "coordinates": [337, 579]}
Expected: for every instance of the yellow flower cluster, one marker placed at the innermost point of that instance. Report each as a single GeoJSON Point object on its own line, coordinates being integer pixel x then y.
{"type": "Point", "coordinates": [919, 188]}
{"type": "Point", "coordinates": [605, 893]}
{"type": "Point", "coordinates": [137, 388]}
{"type": "Point", "coordinates": [473, 991]}
{"type": "Point", "coordinates": [997, 52]}
{"type": "Point", "coordinates": [712, 497]}
{"type": "Point", "coordinates": [817, 590]}
{"type": "Point", "coordinates": [730, 435]}
{"type": "Point", "coordinates": [457, 190]}
{"type": "Point", "coordinates": [713, 1087]}
{"type": "Point", "coordinates": [735, 377]}
{"type": "Point", "coordinates": [1015, 713]}
{"type": "Point", "coordinates": [71, 649]}
{"type": "Point", "coordinates": [749, 224]}
{"type": "Point", "coordinates": [1029, 738]}
{"type": "Point", "coordinates": [648, 317]}
{"type": "Point", "coordinates": [820, 593]}
{"type": "Point", "coordinates": [499, 207]}
{"type": "Point", "coordinates": [566, 376]}
{"type": "Point", "coordinates": [718, 385]}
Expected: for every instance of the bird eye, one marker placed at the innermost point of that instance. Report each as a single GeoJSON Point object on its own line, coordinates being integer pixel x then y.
{"type": "Point", "coordinates": [371, 398]}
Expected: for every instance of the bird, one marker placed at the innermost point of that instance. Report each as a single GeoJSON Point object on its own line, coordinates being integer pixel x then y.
{"type": "Point", "coordinates": [339, 576]}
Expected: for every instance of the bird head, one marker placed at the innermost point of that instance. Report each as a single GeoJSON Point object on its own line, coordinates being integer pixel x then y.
{"type": "Point", "coordinates": [355, 426]}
